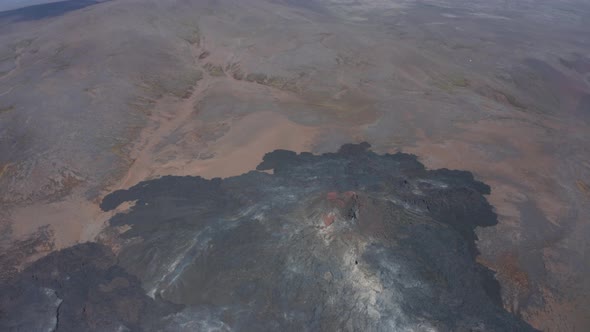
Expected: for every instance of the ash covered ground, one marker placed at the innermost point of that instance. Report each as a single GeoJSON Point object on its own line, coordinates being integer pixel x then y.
{"type": "Point", "coordinates": [351, 240]}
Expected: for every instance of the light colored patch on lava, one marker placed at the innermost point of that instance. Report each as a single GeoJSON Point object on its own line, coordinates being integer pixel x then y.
{"type": "Point", "coordinates": [367, 286]}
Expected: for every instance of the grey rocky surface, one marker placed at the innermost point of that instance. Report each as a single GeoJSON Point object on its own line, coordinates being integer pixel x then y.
{"type": "Point", "coordinates": [352, 241]}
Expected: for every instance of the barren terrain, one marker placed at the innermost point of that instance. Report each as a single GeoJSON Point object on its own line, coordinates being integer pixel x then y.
{"type": "Point", "coordinates": [103, 95]}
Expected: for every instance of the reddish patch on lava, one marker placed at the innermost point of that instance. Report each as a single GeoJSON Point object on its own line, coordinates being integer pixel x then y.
{"type": "Point", "coordinates": [341, 199]}
{"type": "Point", "coordinates": [344, 204]}
{"type": "Point", "coordinates": [334, 198]}
{"type": "Point", "coordinates": [332, 195]}
{"type": "Point", "coordinates": [350, 195]}
{"type": "Point", "coordinates": [329, 219]}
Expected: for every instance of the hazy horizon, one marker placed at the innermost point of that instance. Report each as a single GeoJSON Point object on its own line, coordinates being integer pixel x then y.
{"type": "Point", "coordinates": [16, 4]}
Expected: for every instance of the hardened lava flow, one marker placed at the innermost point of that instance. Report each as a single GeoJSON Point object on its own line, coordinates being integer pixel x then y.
{"type": "Point", "coordinates": [351, 240]}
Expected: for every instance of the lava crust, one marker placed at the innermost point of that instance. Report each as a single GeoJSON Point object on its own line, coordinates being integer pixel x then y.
{"type": "Point", "coordinates": [350, 240]}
